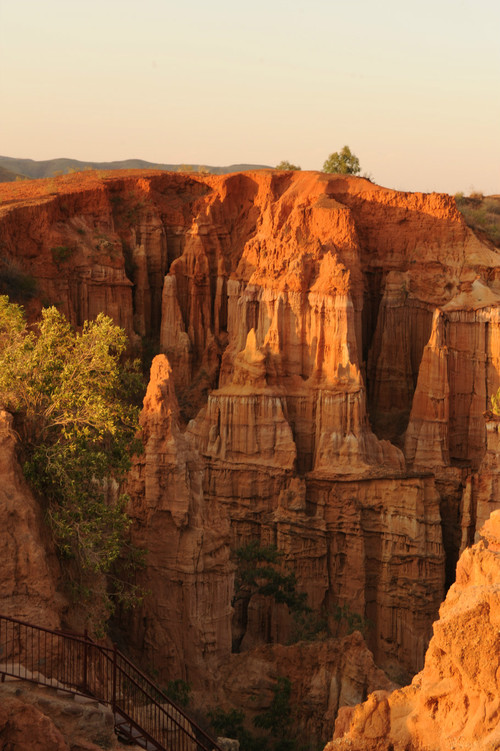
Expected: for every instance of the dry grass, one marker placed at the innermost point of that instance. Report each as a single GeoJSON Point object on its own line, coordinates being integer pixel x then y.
{"type": "Point", "coordinates": [482, 214]}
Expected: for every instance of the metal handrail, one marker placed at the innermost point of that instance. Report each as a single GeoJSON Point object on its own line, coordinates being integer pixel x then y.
{"type": "Point", "coordinates": [79, 665]}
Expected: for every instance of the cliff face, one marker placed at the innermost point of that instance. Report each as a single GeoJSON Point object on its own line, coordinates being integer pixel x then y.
{"type": "Point", "coordinates": [323, 677]}
{"type": "Point", "coordinates": [185, 626]}
{"type": "Point", "coordinates": [328, 350]}
{"type": "Point", "coordinates": [453, 702]}
{"type": "Point", "coordinates": [30, 572]}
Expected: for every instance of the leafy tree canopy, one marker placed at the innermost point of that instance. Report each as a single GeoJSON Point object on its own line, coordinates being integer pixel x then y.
{"type": "Point", "coordinates": [259, 571]}
{"type": "Point", "coordinates": [342, 163]}
{"type": "Point", "coordinates": [77, 424]}
{"type": "Point", "coordinates": [285, 165]}
{"type": "Point", "coordinates": [277, 719]}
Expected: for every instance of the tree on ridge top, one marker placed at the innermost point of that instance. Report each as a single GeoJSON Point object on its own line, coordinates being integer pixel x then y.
{"type": "Point", "coordinates": [286, 165]}
{"type": "Point", "coordinates": [342, 163]}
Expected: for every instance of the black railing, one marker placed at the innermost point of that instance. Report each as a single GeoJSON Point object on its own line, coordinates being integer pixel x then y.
{"type": "Point", "coordinates": [79, 665]}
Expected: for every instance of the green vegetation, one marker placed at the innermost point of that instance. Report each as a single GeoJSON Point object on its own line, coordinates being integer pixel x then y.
{"type": "Point", "coordinates": [72, 400]}
{"type": "Point", "coordinates": [31, 168]}
{"type": "Point", "coordinates": [481, 214]}
{"type": "Point", "coordinates": [230, 725]}
{"type": "Point", "coordinates": [308, 626]}
{"type": "Point", "coordinates": [352, 621]}
{"type": "Point", "coordinates": [259, 571]}
{"type": "Point", "coordinates": [276, 720]}
{"type": "Point", "coordinates": [179, 691]}
{"type": "Point", "coordinates": [278, 717]}
{"type": "Point", "coordinates": [62, 253]}
{"type": "Point", "coordinates": [342, 163]}
{"type": "Point", "coordinates": [128, 208]}
{"type": "Point", "coordinates": [285, 165]}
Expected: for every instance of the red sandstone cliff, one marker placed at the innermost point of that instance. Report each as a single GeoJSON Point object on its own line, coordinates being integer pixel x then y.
{"type": "Point", "coordinates": [324, 675]}
{"type": "Point", "coordinates": [454, 702]}
{"type": "Point", "coordinates": [332, 347]}
{"type": "Point", "coordinates": [184, 627]}
{"type": "Point", "coordinates": [30, 575]}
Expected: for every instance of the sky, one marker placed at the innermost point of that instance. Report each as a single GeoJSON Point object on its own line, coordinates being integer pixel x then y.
{"type": "Point", "coordinates": [412, 88]}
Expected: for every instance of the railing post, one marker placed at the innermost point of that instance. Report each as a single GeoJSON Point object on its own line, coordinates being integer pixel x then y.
{"type": "Point", "coordinates": [114, 676]}
{"type": "Point", "coordinates": [85, 654]}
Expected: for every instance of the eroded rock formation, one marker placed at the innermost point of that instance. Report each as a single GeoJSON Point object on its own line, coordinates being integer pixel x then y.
{"type": "Point", "coordinates": [188, 576]}
{"type": "Point", "coordinates": [328, 351]}
{"type": "Point", "coordinates": [30, 571]}
{"type": "Point", "coordinates": [323, 676]}
{"type": "Point", "coordinates": [33, 718]}
{"type": "Point", "coordinates": [453, 703]}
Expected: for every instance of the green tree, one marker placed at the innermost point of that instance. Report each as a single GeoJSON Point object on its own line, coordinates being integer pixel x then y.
{"type": "Point", "coordinates": [278, 717]}
{"type": "Point", "coordinates": [72, 401]}
{"type": "Point", "coordinates": [179, 691]}
{"type": "Point", "coordinates": [230, 724]}
{"type": "Point", "coordinates": [259, 572]}
{"type": "Point", "coordinates": [285, 165]}
{"type": "Point", "coordinates": [342, 163]}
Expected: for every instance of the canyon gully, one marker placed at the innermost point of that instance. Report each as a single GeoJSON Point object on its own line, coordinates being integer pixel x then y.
{"type": "Point", "coordinates": [325, 353]}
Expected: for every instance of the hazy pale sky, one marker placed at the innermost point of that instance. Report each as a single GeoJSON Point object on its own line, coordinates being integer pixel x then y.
{"type": "Point", "coordinates": [412, 88]}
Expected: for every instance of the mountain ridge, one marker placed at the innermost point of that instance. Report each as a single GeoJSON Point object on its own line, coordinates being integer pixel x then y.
{"type": "Point", "coordinates": [33, 168]}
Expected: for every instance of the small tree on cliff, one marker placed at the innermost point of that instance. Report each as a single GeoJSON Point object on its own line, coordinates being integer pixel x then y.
{"type": "Point", "coordinates": [285, 165]}
{"type": "Point", "coordinates": [260, 571]}
{"type": "Point", "coordinates": [69, 394]}
{"type": "Point", "coordinates": [277, 719]}
{"type": "Point", "coordinates": [342, 163]}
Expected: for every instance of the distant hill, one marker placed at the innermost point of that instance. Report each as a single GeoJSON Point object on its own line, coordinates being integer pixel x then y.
{"type": "Point", "coordinates": [7, 176]}
{"type": "Point", "coordinates": [51, 167]}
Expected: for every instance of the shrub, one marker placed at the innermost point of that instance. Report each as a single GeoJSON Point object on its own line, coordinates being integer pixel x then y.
{"type": "Point", "coordinates": [179, 691]}
{"type": "Point", "coordinates": [72, 401]}
{"type": "Point", "coordinates": [258, 572]}
{"type": "Point", "coordinates": [481, 215]}
{"type": "Point", "coordinates": [353, 621]}
{"type": "Point", "coordinates": [342, 163]}
{"type": "Point", "coordinates": [492, 205]}
{"type": "Point", "coordinates": [285, 165]}
{"type": "Point", "coordinates": [62, 253]}
{"type": "Point", "coordinates": [308, 626]}
{"type": "Point", "coordinates": [230, 724]}
{"type": "Point", "coordinates": [278, 717]}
